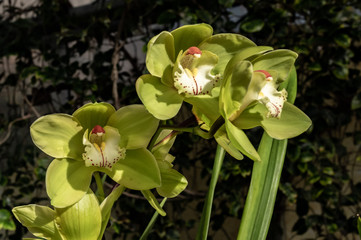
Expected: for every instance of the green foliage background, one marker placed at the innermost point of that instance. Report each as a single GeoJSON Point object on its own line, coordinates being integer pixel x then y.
{"type": "Point", "coordinates": [65, 57]}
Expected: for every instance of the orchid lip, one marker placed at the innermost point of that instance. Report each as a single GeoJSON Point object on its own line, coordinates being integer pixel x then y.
{"type": "Point", "coordinates": [193, 75]}
{"type": "Point", "coordinates": [102, 147]}
{"type": "Point", "coordinates": [271, 97]}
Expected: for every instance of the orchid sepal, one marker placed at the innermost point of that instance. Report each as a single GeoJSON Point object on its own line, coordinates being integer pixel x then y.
{"type": "Point", "coordinates": [39, 220]}
{"type": "Point", "coordinates": [81, 220]}
{"type": "Point", "coordinates": [161, 101]}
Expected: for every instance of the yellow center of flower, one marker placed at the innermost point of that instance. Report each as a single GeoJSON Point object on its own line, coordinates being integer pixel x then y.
{"type": "Point", "coordinates": [271, 97]}
{"type": "Point", "coordinates": [102, 147]}
{"type": "Point", "coordinates": [193, 73]}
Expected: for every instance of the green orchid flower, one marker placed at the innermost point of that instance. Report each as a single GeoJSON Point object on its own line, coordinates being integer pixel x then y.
{"type": "Point", "coordinates": [187, 64]}
{"type": "Point", "coordinates": [249, 97]}
{"type": "Point", "coordinates": [96, 138]}
{"type": "Point", "coordinates": [172, 182]}
{"type": "Point", "coordinates": [85, 219]}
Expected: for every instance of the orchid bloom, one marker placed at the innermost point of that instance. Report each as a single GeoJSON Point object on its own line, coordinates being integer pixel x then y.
{"type": "Point", "coordinates": [96, 138]}
{"type": "Point", "coordinates": [250, 97]}
{"type": "Point", "coordinates": [172, 182]}
{"type": "Point", "coordinates": [186, 64]}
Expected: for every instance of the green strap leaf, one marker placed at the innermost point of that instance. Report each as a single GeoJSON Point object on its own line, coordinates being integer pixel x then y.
{"type": "Point", "coordinates": [266, 174]}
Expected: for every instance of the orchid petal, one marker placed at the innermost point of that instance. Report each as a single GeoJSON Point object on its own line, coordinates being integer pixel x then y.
{"type": "Point", "coordinates": [167, 77]}
{"type": "Point", "coordinates": [82, 220]}
{"type": "Point", "coordinates": [225, 46]}
{"type": "Point", "coordinates": [67, 181]}
{"type": "Point", "coordinates": [163, 144]}
{"type": "Point", "coordinates": [160, 53]}
{"type": "Point", "coordinates": [240, 140]}
{"type": "Point", "coordinates": [138, 170]}
{"type": "Point", "coordinates": [161, 101]}
{"type": "Point", "coordinates": [292, 122]}
{"type": "Point", "coordinates": [205, 108]}
{"type": "Point", "coordinates": [39, 220]}
{"type": "Point", "coordinates": [173, 183]}
{"type": "Point", "coordinates": [234, 88]}
{"type": "Point", "coordinates": [247, 54]}
{"type": "Point", "coordinates": [222, 139]}
{"type": "Point", "coordinates": [93, 114]}
{"type": "Point", "coordinates": [280, 61]}
{"type": "Point", "coordinates": [190, 35]}
{"type": "Point", "coordinates": [135, 124]}
{"type": "Point", "coordinates": [153, 202]}
{"type": "Point", "coordinates": [58, 135]}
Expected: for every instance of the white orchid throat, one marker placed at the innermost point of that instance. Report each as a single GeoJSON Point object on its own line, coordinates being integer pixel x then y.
{"type": "Point", "coordinates": [102, 147]}
{"type": "Point", "coordinates": [270, 97]}
{"type": "Point", "coordinates": [192, 75]}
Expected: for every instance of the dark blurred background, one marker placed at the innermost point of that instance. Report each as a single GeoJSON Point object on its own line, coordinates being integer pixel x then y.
{"type": "Point", "coordinates": [57, 55]}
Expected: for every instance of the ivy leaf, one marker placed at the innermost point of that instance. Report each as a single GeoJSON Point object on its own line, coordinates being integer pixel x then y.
{"type": "Point", "coordinates": [252, 26]}
{"type": "Point", "coordinates": [6, 221]}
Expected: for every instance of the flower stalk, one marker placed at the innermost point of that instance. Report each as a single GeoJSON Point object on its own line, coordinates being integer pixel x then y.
{"type": "Point", "coordinates": [207, 208]}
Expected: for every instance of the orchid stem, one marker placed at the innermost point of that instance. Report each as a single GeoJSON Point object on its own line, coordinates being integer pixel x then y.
{"type": "Point", "coordinates": [197, 130]}
{"type": "Point", "coordinates": [151, 222]}
{"type": "Point", "coordinates": [179, 129]}
{"type": "Point", "coordinates": [100, 190]}
{"type": "Point", "coordinates": [207, 208]}
{"type": "Point", "coordinates": [154, 138]}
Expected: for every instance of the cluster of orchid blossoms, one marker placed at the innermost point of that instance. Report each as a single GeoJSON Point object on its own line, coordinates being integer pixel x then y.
{"type": "Point", "coordinates": [232, 85]}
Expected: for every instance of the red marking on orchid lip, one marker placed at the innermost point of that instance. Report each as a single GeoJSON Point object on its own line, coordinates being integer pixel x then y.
{"type": "Point", "coordinates": [264, 72]}
{"type": "Point", "coordinates": [98, 129]}
{"type": "Point", "coordinates": [193, 50]}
